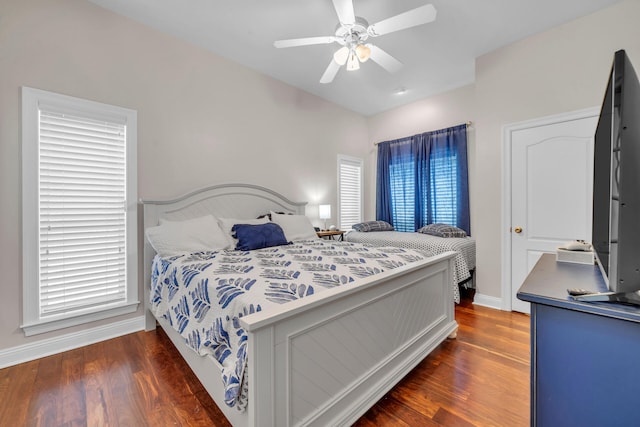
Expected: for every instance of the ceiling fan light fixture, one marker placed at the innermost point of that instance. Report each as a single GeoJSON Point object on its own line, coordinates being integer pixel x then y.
{"type": "Point", "coordinates": [353, 63]}
{"type": "Point", "coordinates": [363, 52]}
{"type": "Point", "coordinates": [352, 33]}
{"type": "Point", "coordinates": [341, 55]}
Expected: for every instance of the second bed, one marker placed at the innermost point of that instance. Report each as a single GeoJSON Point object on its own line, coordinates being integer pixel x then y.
{"type": "Point", "coordinates": [464, 247]}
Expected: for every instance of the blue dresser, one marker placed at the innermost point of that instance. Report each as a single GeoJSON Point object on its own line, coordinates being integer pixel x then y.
{"type": "Point", "coordinates": [585, 357]}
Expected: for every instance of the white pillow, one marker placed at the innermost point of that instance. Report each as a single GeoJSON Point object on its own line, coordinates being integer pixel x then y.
{"type": "Point", "coordinates": [193, 235]}
{"type": "Point", "coordinates": [295, 227]}
{"type": "Point", "coordinates": [227, 224]}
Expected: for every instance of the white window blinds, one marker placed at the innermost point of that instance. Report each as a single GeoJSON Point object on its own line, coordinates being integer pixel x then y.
{"type": "Point", "coordinates": [444, 187]}
{"type": "Point", "coordinates": [82, 212]}
{"type": "Point", "coordinates": [79, 211]}
{"type": "Point", "coordinates": [349, 191]}
{"type": "Point", "coordinates": [403, 193]}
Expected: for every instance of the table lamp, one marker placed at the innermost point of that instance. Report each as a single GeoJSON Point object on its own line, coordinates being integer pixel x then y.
{"type": "Point", "coordinates": [324, 212]}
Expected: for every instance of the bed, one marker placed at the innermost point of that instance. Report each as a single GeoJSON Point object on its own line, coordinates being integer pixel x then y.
{"type": "Point", "coordinates": [464, 248]}
{"type": "Point", "coordinates": [372, 332]}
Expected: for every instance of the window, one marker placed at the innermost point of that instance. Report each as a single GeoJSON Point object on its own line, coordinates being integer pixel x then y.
{"type": "Point", "coordinates": [349, 191]}
{"type": "Point", "coordinates": [423, 179]}
{"type": "Point", "coordinates": [439, 203]}
{"type": "Point", "coordinates": [79, 211]}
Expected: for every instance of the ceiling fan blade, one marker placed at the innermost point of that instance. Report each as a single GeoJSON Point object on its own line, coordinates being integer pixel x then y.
{"type": "Point", "coordinates": [344, 9]}
{"type": "Point", "coordinates": [408, 19]}
{"type": "Point", "coordinates": [330, 72]}
{"type": "Point", "coordinates": [304, 41]}
{"type": "Point", "coordinates": [383, 59]}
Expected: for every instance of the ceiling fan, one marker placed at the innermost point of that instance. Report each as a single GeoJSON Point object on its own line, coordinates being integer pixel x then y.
{"type": "Point", "coordinates": [352, 33]}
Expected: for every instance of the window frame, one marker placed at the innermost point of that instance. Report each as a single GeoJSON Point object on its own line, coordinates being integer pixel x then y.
{"type": "Point", "coordinates": [32, 99]}
{"type": "Point", "coordinates": [352, 161]}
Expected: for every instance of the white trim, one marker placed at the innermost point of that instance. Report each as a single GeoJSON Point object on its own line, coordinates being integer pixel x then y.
{"type": "Point", "coordinates": [507, 132]}
{"type": "Point", "coordinates": [65, 322]}
{"type": "Point", "coordinates": [32, 100]}
{"type": "Point", "coordinates": [356, 162]}
{"type": "Point", "coordinates": [488, 301]}
{"type": "Point", "coordinates": [24, 353]}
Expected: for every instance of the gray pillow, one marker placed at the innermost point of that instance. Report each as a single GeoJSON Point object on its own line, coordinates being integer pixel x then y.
{"type": "Point", "coordinates": [442, 230]}
{"type": "Point", "coordinates": [373, 226]}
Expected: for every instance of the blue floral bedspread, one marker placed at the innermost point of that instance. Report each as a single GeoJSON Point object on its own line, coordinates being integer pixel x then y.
{"type": "Point", "coordinates": [203, 295]}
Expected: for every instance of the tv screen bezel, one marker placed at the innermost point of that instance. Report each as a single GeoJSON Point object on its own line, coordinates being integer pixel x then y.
{"type": "Point", "coordinates": [616, 233]}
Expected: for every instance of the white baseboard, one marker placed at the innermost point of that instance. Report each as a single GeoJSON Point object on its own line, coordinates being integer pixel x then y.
{"type": "Point", "coordinates": [24, 353]}
{"type": "Point", "coordinates": [488, 301]}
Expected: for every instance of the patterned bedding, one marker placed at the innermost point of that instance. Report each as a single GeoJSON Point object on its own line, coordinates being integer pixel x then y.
{"type": "Point", "coordinates": [465, 248]}
{"type": "Point", "coordinates": [203, 294]}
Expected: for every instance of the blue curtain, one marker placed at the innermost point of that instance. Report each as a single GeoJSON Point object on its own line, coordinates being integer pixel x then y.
{"type": "Point", "coordinates": [423, 179]}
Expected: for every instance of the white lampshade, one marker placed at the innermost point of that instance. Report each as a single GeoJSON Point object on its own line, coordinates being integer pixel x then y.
{"type": "Point", "coordinates": [324, 211]}
{"type": "Point", "coordinates": [353, 63]}
{"type": "Point", "coordinates": [363, 52]}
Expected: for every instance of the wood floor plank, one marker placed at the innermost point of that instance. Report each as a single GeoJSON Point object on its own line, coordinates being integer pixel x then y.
{"type": "Point", "coordinates": [178, 387]}
{"type": "Point", "coordinates": [74, 411]}
{"type": "Point", "coordinates": [446, 418]}
{"type": "Point", "coordinates": [481, 378]}
{"type": "Point", "coordinates": [124, 392]}
{"type": "Point", "coordinates": [21, 383]}
{"type": "Point", "coordinates": [390, 411]}
{"type": "Point", "coordinates": [5, 389]}
{"type": "Point", "coordinates": [45, 409]}
{"type": "Point", "coordinates": [97, 393]}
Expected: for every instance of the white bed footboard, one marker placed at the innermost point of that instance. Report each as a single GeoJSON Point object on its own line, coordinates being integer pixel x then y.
{"type": "Point", "coordinates": [328, 364]}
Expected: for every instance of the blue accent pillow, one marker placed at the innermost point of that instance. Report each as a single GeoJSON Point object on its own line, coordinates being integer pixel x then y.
{"type": "Point", "coordinates": [258, 236]}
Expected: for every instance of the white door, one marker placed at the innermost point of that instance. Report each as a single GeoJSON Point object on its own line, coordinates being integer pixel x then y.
{"type": "Point", "coordinates": [551, 192]}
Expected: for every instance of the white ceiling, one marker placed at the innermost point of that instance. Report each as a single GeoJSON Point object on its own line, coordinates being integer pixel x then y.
{"type": "Point", "coordinates": [437, 57]}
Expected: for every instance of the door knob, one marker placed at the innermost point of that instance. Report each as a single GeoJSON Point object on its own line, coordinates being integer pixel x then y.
{"type": "Point", "coordinates": [518, 230]}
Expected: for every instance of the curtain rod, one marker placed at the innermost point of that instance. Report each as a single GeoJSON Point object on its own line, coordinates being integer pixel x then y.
{"type": "Point", "coordinates": [469, 123]}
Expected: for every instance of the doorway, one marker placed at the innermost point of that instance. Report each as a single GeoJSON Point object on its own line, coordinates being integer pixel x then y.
{"type": "Point", "coordinates": [547, 192]}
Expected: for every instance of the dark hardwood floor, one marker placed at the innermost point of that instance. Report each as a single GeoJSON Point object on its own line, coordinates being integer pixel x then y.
{"type": "Point", "coordinates": [479, 379]}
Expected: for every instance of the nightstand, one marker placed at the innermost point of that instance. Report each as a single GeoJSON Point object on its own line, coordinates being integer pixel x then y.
{"type": "Point", "coordinates": [330, 234]}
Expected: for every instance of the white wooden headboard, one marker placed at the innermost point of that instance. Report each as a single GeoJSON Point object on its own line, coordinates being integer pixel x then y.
{"type": "Point", "coordinates": [242, 201]}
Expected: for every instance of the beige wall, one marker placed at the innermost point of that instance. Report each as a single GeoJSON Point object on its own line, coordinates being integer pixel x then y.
{"type": "Point", "coordinates": [564, 69]}
{"type": "Point", "coordinates": [200, 116]}
{"type": "Point", "coordinates": [561, 70]}
{"type": "Point", "coordinates": [201, 119]}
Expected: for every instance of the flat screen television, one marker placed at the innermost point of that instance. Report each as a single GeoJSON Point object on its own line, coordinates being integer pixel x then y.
{"type": "Point", "coordinates": [616, 180]}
